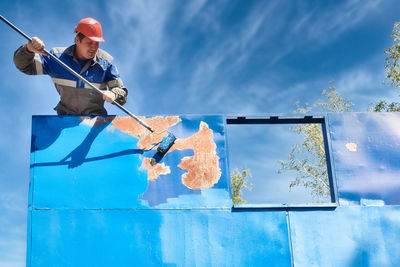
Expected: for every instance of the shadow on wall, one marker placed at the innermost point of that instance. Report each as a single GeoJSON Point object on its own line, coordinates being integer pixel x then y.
{"type": "Point", "coordinates": [50, 132]}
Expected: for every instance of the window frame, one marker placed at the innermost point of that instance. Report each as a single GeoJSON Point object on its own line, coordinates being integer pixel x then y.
{"type": "Point", "coordinates": [276, 119]}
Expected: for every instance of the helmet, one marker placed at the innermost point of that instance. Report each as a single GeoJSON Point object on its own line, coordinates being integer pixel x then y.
{"type": "Point", "coordinates": [91, 28]}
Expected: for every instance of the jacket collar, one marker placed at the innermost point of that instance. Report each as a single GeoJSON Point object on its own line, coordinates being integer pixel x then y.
{"type": "Point", "coordinates": [71, 52]}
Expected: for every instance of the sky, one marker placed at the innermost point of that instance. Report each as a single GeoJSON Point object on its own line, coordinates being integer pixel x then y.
{"type": "Point", "coordinates": [192, 57]}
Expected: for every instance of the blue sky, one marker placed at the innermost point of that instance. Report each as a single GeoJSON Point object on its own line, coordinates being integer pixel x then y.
{"type": "Point", "coordinates": [192, 57]}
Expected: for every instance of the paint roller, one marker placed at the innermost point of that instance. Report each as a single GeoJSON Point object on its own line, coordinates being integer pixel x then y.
{"type": "Point", "coordinates": [165, 143]}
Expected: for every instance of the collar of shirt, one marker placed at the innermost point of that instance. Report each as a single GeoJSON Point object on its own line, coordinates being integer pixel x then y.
{"type": "Point", "coordinates": [71, 52]}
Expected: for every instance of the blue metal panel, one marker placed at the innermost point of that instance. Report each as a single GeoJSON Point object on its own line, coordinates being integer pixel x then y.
{"type": "Point", "coordinates": [366, 152]}
{"type": "Point", "coordinates": [159, 238]}
{"type": "Point", "coordinates": [78, 165]}
{"type": "Point", "coordinates": [348, 236]}
{"type": "Point", "coordinates": [92, 204]}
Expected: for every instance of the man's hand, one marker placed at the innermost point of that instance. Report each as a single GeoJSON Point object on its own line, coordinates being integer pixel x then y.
{"type": "Point", "coordinates": [109, 96]}
{"type": "Point", "coordinates": [35, 46]}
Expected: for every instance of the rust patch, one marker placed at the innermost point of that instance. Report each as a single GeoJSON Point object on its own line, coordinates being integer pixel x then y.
{"type": "Point", "coordinates": [203, 167]}
{"type": "Point", "coordinates": [146, 138]}
{"type": "Point", "coordinates": [96, 121]}
{"type": "Point", "coordinates": [352, 147]}
{"type": "Point", "coordinates": [153, 171]}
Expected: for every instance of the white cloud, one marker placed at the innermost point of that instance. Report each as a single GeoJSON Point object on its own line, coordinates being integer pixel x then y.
{"type": "Point", "coordinates": [206, 77]}
{"type": "Point", "coordinates": [317, 27]}
{"type": "Point", "coordinates": [12, 253]}
{"type": "Point", "coordinates": [12, 202]}
{"type": "Point", "coordinates": [13, 213]}
{"type": "Point", "coordinates": [192, 9]}
{"type": "Point", "coordinates": [140, 25]}
{"type": "Point", "coordinates": [229, 53]}
{"type": "Point", "coordinates": [138, 31]}
{"type": "Point", "coordinates": [356, 79]}
{"type": "Point", "coordinates": [329, 25]}
{"type": "Point", "coordinates": [363, 83]}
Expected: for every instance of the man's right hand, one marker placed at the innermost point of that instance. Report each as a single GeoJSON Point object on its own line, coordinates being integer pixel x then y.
{"type": "Point", "coordinates": [35, 46]}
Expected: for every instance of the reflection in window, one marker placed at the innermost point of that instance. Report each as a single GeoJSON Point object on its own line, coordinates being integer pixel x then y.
{"type": "Point", "coordinates": [309, 161]}
{"type": "Point", "coordinates": [239, 182]}
{"type": "Point", "coordinates": [286, 159]}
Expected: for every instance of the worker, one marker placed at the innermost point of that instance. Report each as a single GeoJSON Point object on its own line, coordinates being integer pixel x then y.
{"type": "Point", "coordinates": [86, 58]}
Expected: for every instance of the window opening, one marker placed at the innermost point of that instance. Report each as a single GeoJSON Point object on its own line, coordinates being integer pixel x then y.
{"type": "Point", "coordinates": [279, 162]}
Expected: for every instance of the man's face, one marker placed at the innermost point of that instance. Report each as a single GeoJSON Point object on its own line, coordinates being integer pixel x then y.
{"type": "Point", "coordinates": [86, 48]}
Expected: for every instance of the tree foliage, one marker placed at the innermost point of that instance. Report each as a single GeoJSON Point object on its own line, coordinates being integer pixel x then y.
{"type": "Point", "coordinates": [392, 62]}
{"type": "Point", "coordinates": [334, 102]}
{"type": "Point", "coordinates": [392, 67]}
{"type": "Point", "coordinates": [308, 159]}
{"type": "Point", "coordinates": [384, 106]}
{"type": "Point", "coordinates": [239, 182]}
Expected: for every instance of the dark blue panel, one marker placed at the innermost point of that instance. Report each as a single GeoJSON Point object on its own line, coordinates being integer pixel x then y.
{"type": "Point", "coordinates": [348, 236]}
{"type": "Point", "coordinates": [366, 155]}
{"type": "Point", "coordinates": [159, 238]}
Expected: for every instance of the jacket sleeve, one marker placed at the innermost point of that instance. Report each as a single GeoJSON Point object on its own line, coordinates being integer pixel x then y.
{"type": "Point", "coordinates": [115, 84]}
{"type": "Point", "coordinates": [28, 62]}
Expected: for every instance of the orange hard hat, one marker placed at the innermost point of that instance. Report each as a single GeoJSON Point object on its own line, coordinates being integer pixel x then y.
{"type": "Point", "coordinates": [91, 28]}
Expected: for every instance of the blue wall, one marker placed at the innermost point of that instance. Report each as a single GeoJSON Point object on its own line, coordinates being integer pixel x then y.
{"type": "Point", "coordinates": [91, 203]}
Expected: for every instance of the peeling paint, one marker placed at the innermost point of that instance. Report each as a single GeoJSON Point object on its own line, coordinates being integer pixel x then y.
{"type": "Point", "coordinates": [203, 167]}
{"type": "Point", "coordinates": [93, 122]}
{"type": "Point", "coordinates": [154, 171]}
{"type": "Point", "coordinates": [352, 147]}
{"type": "Point", "coordinates": [146, 138]}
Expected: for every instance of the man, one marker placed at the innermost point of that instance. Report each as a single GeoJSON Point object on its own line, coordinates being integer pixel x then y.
{"type": "Point", "coordinates": [85, 58]}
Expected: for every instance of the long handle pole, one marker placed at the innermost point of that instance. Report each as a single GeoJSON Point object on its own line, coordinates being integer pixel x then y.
{"type": "Point", "coordinates": [77, 75]}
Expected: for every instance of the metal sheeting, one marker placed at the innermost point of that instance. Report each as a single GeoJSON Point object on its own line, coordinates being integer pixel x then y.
{"type": "Point", "coordinates": [348, 236]}
{"type": "Point", "coordinates": [81, 162]}
{"type": "Point", "coordinates": [91, 203]}
{"type": "Point", "coordinates": [159, 238]}
{"type": "Point", "coordinates": [366, 153]}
